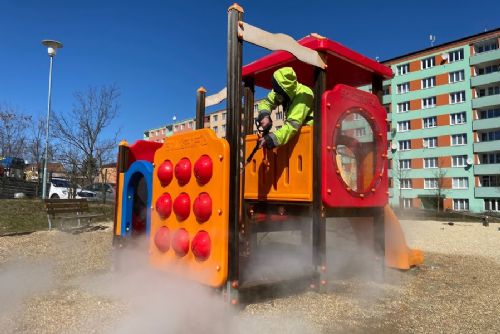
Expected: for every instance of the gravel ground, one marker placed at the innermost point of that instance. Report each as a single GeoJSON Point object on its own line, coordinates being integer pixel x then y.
{"type": "Point", "coordinates": [55, 282]}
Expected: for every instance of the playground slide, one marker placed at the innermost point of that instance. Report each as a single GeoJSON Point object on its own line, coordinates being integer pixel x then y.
{"type": "Point", "coordinates": [397, 253]}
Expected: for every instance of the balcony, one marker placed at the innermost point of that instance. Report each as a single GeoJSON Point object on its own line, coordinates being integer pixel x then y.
{"type": "Point", "coordinates": [486, 123]}
{"type": "Point", "coordinates": [485, 101]}
{"type": "Point", "coordinates": [486, 169]}
{"type": "Point", "coordinates": [484, 192]}
{"type": "Point", "coordinates": [386, 99]}
{"type": "Point", "coordinates": [487, 146]}
{"type": "Point", "coordinates": [485, 57]}
{"type": "Point", "coordinates": [485, 79]}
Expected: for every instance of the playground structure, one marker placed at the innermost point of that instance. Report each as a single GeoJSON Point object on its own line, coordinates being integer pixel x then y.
{"type": "Point", "coordinates": [211, 218]}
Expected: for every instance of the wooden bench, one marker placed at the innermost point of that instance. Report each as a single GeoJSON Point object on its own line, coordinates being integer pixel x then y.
{"type": "Point", "coordinates": [68, 210]}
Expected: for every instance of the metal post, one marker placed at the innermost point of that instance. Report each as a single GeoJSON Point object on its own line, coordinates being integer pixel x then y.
{"type": "Point", "coordinates": [249, 102]}
{"type": "Point", "coordinates": [318, 214]}
{"type": "Point", "coordinates": [200, 108]}
{"type": "Point", "coordinates": [235, 139]}
{"type": "Point", "coordinates": [44, 186]}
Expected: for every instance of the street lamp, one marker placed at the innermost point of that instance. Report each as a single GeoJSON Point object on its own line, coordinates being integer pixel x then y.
{"type": "Point", "coordinates": [52, 47]}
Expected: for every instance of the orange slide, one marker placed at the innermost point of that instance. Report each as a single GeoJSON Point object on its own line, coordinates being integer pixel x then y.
{"type": "Point", "coordinates": [397, 253]}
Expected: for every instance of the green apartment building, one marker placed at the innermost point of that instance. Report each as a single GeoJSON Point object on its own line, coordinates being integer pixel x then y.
{"type": "Point", "coordinates": [444, 125]}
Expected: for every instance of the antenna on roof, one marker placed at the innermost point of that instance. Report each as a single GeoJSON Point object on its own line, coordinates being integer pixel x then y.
{"type": "Point", "coordinates": [432, 39]}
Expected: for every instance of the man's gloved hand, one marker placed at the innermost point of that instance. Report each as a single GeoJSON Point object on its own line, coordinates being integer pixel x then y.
{"type": "Point", "coordinates": [264, 122]}
{"type": "Point", "coordinates": [266, 142]}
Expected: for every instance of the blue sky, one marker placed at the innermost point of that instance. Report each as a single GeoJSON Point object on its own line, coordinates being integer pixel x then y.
{"type": "Point", "coordinates": [159, 52]}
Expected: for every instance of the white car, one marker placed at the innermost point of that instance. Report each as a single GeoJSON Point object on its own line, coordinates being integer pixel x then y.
{"type": "Point", "coordinates": [60, 188]}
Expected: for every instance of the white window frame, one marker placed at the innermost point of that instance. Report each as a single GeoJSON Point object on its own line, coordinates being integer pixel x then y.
{"type": "Point", "coordinates": [427, 62]}
{"type": "Point", "coordinates": [493, 204]}
{"type": "Point", "coordinates": [457, 97]}
{"type": "Point", "coordinates": [431, 183]}
{"type": "Point", "coordinates": [359, 132]}
{"type": "Point", "coordinates": [403, 107]}
{"type": "Point", "coordinates": [404, 126]}
{"type": "Point", "coordinates": [458, 118]}
{"type": "Point", "coordinates": [459, 139]}
{"type": "Point", "coordinates": [404, 145]}
{"type": "Point", "coordinates": [403, 69]}
{"type": "Point", "coordinates": [215, 128]}
{"type": "Point", "coordinates": [429, 122]}
{"type": "Point", "coordinates": [405, 164]}
{"type": "Point", "coordinates": [428, 82]}
{"type": "Point", "coordinates": [403, 88]}
{"type": "Point", "coordinates": [431, 162]}
{"type": "Point", "coordinates": [405, 184]}
{"type": "Point", "coordinates": [460, 183]}
{"type": "Point", "coordinates": [452, 76]}
{"type": "Point", "coordinates": [455, 55]}
{"type": "Point", "coordinates": [458, 160]}
{"type": "Point", "coordinates": [460, 204]}
{"type": "Point", "coordinates": [430, 142]}
{"type": "Point", "coordinates": [429, 102]}
{"type": "Point", "coordinates": [407, 202]}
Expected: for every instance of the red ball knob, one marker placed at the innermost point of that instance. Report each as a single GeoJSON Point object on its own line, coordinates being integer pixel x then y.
{"type": "Point", "coordinates": [165, 172]}
{"type": "Point", "coordinates": [203, 169]}
{"type": "Point", "coordinates": [164, 205]}
{"type": "Point", "coordinates": [182, 206]}
{"type": "Point", "coordinates": [180, 242]}
{"type": "Point", "coordinates": [183, 171]}
{"type": "Point", "coordinates": [201, 245]}
{"type": "Point", "coordinates": [202, 207]}
{"type": "Point", "coordinates": [162, 239]}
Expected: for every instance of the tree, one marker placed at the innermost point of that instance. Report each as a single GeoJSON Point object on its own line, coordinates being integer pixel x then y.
{"type": "Point", "coordinates": [81, 130]}
{"type": "Point", "coordinates": [440, 177]}
{"type": "Point", "coordinates": [13, 126]}
{"type": "Point", "coordinates": [399, 173]}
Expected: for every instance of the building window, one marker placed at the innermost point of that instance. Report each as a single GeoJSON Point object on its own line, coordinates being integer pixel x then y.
{"type": "Point", "coordinates": [403, 88]}
{"type": "Point", "coordinates": [458, 161]}
{"type": "Point", "coordinates": [456, 55]}
{"type": "Point", "coordinates": [403, 126]}
{"type": "Point", "coordinates": [430, 122]}
{"type": "Point", "coordinates": [489, 91]}
{"type": "Point", "coordinates": [457, 97]}
{"type": "Point", "coordinates": [406, 203]}
{"type": "Point", "coordinates": [430, 142]}
{"type": "Point", "coordinates": [405, 183]}
{"type": "Point", "coordinates": [404, 145]}
{"type": "Point", "coordinates": [457, 76]}
{"type": "Point", "coordinates": [215, 118]}
{"type": "Point", "coordinates": [223, 116]}
{"type": "Point", "coordinates": [427, 62]}
{"type": "Point", "coordinates": [429, 102]}
{"type": "Point", "coordinates": [490, 158]}
{"type": "Point", "coordinates": [458, 118]}
{"type": "Point", "coordinates": [215, 129]}
{"type": "Point", "coordinates": [491, 204]}
{"type": "Point", "coordinates": [460, 183]}
{"type": "Point", "coordinates": [359, 132]}
{"type": "Point", "coordinates": [403, 107]}
{"type": "Point", "coordinates": [403, 69]}
{"type": "Point", "coordinates": [490, 136]}
{"type": "Point", "coordinates": [176, 127]}
{"type": "Point", "coordinates": [428, 82]}
{"type": "Point", "coordinates": [490, 181]}
{"type": "Point", "coordinates": [223, 128]}
{"type": "Point", "coordinates": [430, 162]}
{"type": "Point", "coordinates": [386, 90]}
{"type": "Point", "coordinates": [356, 117]}
{"type": "Point", "coordinates": [486, 46]}
{"type": "Point", "coordinates": [459, 139]}
{"type": "Point", "coordinates": [460, 204]}
{"type": "Point", "coordinates": [405, 164]}
{"type": "Point", "coordinates": [488, 69]}
{"type": "Point", "coordinates": [431, 183]}
{"type": "Point", "coordinates": [490, 113]}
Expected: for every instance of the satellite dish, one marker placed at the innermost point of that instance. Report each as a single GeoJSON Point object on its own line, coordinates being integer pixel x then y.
{"type": "Point", "coordinates": [444, 56]}
{"type": "Point", "coordinates": [393, 131]}
{"type": "Point", "coordinates": [469, 161]}
{"type": "Point", "coordinates": [394, 146]}
{"type": "Point", "coordinates": [424, 144]}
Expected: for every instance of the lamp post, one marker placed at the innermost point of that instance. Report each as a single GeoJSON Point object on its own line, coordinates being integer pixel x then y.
{"type": "Point", "coordinates": [52, 47]}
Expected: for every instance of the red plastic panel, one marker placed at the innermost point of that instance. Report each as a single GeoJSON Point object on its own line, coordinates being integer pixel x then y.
{"type": "Point", "coordinates": [354, 152]}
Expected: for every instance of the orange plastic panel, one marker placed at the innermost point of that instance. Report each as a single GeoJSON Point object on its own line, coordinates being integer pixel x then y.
{"type": "Point", "coordinates": [192, 145]}
{"type": "Point", "coordinates": [118, 226]}
{"type": "Point", "coordinates": [284, 173]}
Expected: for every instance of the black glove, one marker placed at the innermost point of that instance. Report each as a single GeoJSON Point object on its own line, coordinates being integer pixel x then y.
{"type": "Point", "coordinates": [269, 142]}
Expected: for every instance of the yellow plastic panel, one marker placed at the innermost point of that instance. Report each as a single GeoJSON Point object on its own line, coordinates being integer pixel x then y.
{"type": "Point", "coordinates": [284, 173]}
{"type": "Point", "coordinates": [192, 145]}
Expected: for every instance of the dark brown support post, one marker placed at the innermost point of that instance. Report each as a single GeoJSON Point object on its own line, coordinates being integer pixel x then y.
{"type": "Point", "coordinates": [318, 214]}
{"type": "Point", "coordinates": [200, 108]}
{"type": "Point", "coordinates": [121, 167]}
{"type": "Point", "coordinates": [379, 218]}
{"type": "Point", "coordinates": [249, 102]}
{"type": "Point", "coordinates": [234, 136]}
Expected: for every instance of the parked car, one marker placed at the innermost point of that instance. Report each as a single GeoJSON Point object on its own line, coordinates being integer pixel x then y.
{"type": "Point", "coordinates": [61, 188]}
{"type": "Point", "coordinates": [109, 191]}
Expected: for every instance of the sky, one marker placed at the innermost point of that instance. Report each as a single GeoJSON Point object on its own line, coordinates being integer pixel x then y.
{"type": "Point", "coordinates": [158, 53]}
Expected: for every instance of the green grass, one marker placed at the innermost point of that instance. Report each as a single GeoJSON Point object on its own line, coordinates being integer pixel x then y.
{"type": "Point", "coordinates": [25, 215]}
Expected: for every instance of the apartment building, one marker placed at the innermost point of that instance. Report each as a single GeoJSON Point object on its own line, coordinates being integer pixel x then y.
{"type": "Point", "coordinates": [444, 125]}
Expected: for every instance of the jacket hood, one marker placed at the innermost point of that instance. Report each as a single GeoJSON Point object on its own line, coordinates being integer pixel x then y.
{"type": "Point", "coordinates": [287, 79]}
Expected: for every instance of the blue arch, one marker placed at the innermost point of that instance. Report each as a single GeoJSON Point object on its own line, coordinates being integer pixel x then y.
{"type": "Point", "coordinates": [132, 176]}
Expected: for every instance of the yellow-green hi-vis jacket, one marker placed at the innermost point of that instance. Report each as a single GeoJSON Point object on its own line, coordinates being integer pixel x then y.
{"type": "Point", "coordinates": [299, 110]}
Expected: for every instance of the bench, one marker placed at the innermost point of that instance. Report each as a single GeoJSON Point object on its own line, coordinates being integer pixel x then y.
{"type": "Point", "coordinates": [68, 210]}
